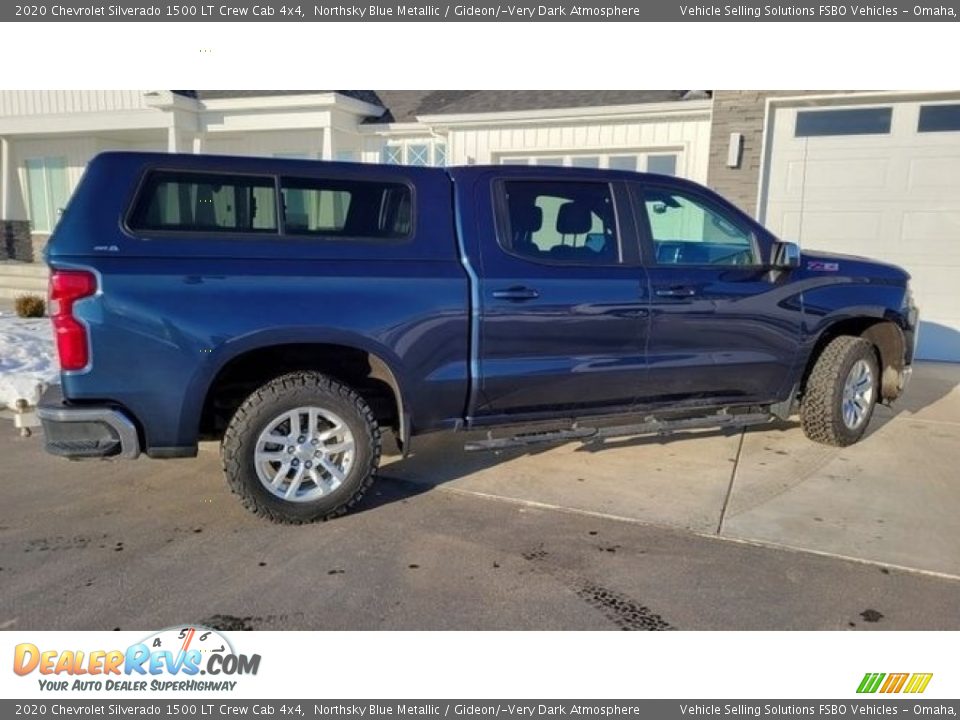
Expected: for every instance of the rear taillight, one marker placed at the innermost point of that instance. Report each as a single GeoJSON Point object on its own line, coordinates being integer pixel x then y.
{"type": "Point", "coordinates": [66, 287]}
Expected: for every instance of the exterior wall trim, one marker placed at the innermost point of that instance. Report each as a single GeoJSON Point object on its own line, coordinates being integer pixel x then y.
{"type": "Point", "coordinates": [669, 110]}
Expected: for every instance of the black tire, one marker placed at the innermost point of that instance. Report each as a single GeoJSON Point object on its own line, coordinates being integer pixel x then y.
{"type": "Point", "coordinates": [821, 409]}
{"type": "Point", "coordinates": [285, 393]}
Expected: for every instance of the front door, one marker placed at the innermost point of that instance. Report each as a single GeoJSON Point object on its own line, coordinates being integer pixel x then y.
{"type": "Point", "coordinates": [563, 316]}
{"type": "Point", "coordinates": [723, 327]}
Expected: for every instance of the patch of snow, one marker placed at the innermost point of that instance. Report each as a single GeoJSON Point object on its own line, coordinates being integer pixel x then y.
{"type": "Point", "coordinates": [28, 360]}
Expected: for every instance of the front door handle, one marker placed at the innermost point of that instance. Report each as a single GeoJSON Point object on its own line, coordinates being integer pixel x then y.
{"type": "Point", "coordinates": [517, 294]}
{"type": "Point", "coordinates": [676, 292]}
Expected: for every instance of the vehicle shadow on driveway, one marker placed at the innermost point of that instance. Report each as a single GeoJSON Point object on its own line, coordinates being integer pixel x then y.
{"type": "Point", "coordinates": [440, 458]}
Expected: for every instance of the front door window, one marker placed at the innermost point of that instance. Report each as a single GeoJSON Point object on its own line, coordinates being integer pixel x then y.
{"type": "Point", "coordinates": [686, 230]}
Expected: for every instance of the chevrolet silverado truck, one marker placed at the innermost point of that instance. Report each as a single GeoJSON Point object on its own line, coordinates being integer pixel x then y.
{"type": "Point", "coordinates": [294, 310]}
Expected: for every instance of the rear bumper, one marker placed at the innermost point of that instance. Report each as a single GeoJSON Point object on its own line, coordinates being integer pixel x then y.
{"type": "Point", "coordinates": [85, 431]}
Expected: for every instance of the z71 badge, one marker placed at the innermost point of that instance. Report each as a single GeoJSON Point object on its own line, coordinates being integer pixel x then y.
{"type": "Point", "coordinates": [821, 266]}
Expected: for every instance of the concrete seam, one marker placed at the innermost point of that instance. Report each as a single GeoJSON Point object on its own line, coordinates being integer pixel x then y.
{"type": "Point", "coordinates": [733, 476]}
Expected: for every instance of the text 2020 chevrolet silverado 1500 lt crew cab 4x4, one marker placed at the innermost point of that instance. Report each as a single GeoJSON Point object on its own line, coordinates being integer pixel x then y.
{"type": "Point", "coordinates": [293, 308]}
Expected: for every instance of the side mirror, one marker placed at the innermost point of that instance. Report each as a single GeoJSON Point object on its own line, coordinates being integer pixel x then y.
{"type": "Point", "coordinates": [786, 255]}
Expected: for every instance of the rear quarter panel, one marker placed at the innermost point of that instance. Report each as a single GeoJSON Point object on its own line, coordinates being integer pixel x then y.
{"type": "Point", "coordinates": [173, 309]}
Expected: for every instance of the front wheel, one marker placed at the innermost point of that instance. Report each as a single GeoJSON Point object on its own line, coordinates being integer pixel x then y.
{"type": "Point", "coordinates": [301, 448]}
{"type": "Point", "coordinates": [841, 392]}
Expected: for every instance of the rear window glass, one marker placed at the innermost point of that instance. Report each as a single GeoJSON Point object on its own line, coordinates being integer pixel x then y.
{"type": "Point", "coordinates": [204, 202]}
{"type": "Point", "coordinates": [346, 208]}
{"type": "Point", "coordinates": [568, 222]}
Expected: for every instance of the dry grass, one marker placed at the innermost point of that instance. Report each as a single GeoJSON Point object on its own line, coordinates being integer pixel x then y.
{"type": "Point", "coordinates": [30, 306]}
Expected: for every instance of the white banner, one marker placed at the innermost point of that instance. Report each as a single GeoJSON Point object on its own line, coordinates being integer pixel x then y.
{"type": "Point", "coordinates": [185, 661]}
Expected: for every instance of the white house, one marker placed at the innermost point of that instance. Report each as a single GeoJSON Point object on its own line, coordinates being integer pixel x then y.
{"type": "Point", "coordinates": [875, 174]}
{"type": "Point", "coordinates": [48, 136]}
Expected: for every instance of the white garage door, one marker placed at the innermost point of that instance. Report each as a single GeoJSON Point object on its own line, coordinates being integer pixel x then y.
{"type": "Point", "coordinates": [881, 181]}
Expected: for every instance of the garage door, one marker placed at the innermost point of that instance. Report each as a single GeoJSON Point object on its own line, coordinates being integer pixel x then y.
{"type": "Point", "coordinates": [881, 181]}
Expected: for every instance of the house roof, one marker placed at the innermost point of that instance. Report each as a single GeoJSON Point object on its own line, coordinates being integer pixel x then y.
{"type": "Point", "coordinates": [407, 105]}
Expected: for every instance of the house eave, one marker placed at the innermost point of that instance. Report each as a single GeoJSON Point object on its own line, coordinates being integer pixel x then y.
{"type": "Point", "coordinates": [691, 108]}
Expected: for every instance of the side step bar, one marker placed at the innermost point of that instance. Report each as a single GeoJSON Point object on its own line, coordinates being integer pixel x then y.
{"type": "Point", "coordinates": [651, 426]}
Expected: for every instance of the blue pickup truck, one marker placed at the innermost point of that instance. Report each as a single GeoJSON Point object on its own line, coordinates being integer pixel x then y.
{"type": "Point", "coordinates": [293, 310]}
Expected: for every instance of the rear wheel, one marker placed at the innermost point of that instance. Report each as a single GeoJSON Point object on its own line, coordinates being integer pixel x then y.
{"type": "Point", "coordinates": [301, 448]}
{"type": "Point", "coordinates": [841, 393]}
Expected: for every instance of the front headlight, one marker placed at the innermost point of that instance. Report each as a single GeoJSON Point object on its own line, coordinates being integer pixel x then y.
{"type": "Point", "coordinates": [908, 298]}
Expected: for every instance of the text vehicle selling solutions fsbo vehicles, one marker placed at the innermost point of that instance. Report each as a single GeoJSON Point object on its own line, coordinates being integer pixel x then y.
{"type": "Point", "coordinates": [294, 309]}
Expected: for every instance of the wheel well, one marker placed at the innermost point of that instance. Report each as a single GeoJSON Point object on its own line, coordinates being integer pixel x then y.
{"type": "Point", "coordinates": [363, 372]}
{"type": "Point", "coordinates": [888, 344]}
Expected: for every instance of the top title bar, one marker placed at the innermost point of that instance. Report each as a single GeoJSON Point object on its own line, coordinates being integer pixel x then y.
{"type": "Point", "coordinates": [480, 11]}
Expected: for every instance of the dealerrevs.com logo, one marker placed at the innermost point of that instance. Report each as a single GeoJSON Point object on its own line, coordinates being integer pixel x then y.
{"type": "Point", "coordinates": [172, 659]}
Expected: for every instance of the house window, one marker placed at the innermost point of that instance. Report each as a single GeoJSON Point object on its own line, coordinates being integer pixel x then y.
{"type": "Point", "coordinates": [47, 191]}
{"type": "Point", "coordinates": [418, 155]}
{"type": "Point", "coordinates": [585, 161]}
{"type": "Point", "coordinates": [623, 162]}
{"type": "Point", "coordinates": [939, 118]}
{"type": "Point", "coordinates": [392, 155]}
{"type": "Point", "coordinates": [662, 164]}
{"type": "Point", "coordinates": [848, 121]}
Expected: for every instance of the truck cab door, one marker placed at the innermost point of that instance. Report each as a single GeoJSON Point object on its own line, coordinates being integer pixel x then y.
{"type": "Point", "coordinates": [724, 328]}
{"type": "Point", "coordinates": [563, 316]}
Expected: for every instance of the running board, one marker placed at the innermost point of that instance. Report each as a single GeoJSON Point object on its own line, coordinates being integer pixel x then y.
{"type": "Point", "coordinates": [651, 426]}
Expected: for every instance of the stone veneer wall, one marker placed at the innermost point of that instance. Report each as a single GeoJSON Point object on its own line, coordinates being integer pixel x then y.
{"type": "Point", "coordinates": [16, 242]}
{"type": "Point", "coordinates": [741, 111]}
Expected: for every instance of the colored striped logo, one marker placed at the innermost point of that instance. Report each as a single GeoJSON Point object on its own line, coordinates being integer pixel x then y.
{"type": "Point", "coordinates": [894, 682]}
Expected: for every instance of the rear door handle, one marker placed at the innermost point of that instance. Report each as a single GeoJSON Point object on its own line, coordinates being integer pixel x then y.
{"type": "Point", "coordinates": [517, 294]}
{"type": "Point", "coordinates": [676, 292]}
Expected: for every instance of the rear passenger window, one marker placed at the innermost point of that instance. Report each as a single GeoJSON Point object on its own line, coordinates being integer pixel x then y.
{"type": "Point", "coordinates": [346, 208]}
{"type": "Point", "coordinates": [560, 222]}
{"type": "Point", "coordinates": [204, 202]}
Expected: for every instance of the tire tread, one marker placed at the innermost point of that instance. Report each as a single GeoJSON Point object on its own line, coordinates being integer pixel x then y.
{"type": "Point", "coordinates": [232, 462]}
{"type": "Point", "coordinates": [819, 415]}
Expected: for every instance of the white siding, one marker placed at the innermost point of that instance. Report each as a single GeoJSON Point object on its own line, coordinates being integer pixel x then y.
{"type": "Point", "coordinates": [308, 143]}
{"type": "Point", "coordinates": [688, 138]}
{"type": "Point", "coordinates": [77, 151]}
{"type": "Point", "coordinates": [15, 103]}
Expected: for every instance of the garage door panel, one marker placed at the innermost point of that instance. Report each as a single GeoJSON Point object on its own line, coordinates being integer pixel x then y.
{"type": "Point", "coordinates": [826, 226]}
{"type": "Point", "coordinates": [830, 174]}
{"type": "Point", "coordinates": [893, 197]}
{"type": "Point", "coordinates": [939, 173]}
{"type": "Point", "coordinates": [920, 227]}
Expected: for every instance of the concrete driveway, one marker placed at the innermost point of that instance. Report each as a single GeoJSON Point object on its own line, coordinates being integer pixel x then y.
{"type": "Point", "coordinates": [893, 498]}
{"type": "Point", "coordinates": [755, 530]}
